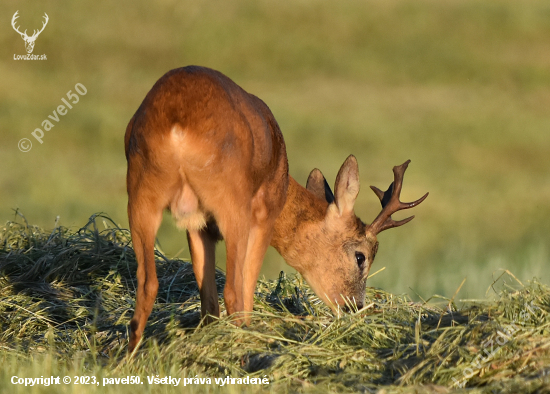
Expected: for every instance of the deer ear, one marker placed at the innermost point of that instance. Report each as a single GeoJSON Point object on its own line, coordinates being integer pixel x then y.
{"type": "Point", "coordinates": [317, 184]}
{"type": "Point", "coordinates": [347, 186]}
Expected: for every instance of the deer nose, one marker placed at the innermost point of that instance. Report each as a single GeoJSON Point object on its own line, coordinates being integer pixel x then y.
{"type": "Point", "coordinates": [353, 307]}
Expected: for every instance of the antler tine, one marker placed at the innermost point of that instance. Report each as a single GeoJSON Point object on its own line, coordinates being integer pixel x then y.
{"type": "Point", "coordinates": [380, 193]}
{"type": "Point", "coordinates": [391, 203]}
{"type": "Point", "coordinates": [15, 16]}
{"type": "Point", "coordinates": [43, 25]}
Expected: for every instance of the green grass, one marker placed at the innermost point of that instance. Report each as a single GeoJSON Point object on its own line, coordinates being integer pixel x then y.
{"type": "Point", "coordinates": [66, 298]}
{"type": "Point", "coordinates": [459, 87]}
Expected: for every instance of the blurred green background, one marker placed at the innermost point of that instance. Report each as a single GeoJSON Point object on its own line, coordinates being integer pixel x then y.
{"type": "Point", "coordinates": [459, 87]}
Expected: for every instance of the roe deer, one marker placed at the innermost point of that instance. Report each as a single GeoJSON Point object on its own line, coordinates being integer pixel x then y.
{"type": "Point", "coordinates": [214, 155]}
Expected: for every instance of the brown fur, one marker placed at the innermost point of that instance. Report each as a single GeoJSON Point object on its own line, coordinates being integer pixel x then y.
{"type": "Point", "coordinates": [214, 155]}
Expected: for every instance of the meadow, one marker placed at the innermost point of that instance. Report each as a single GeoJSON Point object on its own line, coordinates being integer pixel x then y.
{"type": "Point", "coordinates": [66, 298]}
{"type": "Point", "coordinates": [459, 87]}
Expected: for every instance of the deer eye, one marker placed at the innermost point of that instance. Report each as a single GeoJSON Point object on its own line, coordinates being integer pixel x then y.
{"type": "Point", "coordinates": [360, 259]}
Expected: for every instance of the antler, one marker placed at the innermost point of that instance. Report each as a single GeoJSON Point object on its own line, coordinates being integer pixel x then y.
{"type": "Point", "coordinates": [43, 25]}
{"type": "Point", "coordinates": [391, 204]}
{"type": "Point", "coordinates": [15, 16]}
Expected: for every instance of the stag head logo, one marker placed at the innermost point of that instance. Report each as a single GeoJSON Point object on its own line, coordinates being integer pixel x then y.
{"type": "Point", "coordinates": [29, 41]}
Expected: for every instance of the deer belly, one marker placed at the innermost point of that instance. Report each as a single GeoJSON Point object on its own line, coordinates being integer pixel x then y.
{"type": "Point", "coordinates": [186, 210]}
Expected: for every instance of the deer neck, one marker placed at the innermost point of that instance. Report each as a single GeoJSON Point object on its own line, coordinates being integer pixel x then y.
{"type": "Point", "coordinates": [300, 214]}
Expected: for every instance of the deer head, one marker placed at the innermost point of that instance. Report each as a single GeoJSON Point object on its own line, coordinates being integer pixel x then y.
{"type": "Point", "coordinates": [335, 250]}
{"type": "Point", "coordinates": [29, 41]}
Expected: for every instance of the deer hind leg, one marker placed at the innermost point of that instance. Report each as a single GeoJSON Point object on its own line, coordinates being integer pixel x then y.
{"type": "Point", "coordinates": [243, 272]}
{"type": "Point", "coordinates": [258, 242]}
{"type": "Point", "coordinates": [202, 244]}
{"type": "Point", "coordinates": [236, 238]}
{"type": "Point", "coordinates": [145, 219]}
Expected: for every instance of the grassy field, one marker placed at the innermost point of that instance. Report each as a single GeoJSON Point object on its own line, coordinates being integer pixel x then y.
{"type": "Point", "coordinates": [66, 298]}
{"type": "Point", "coordinates": [459, 87]}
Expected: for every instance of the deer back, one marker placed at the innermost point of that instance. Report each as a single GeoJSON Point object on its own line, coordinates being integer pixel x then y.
{"type": "Point", "coordinates": [209, 144]}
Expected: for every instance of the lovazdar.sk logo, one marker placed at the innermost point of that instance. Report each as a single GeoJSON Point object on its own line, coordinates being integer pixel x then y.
{"type": "Point", "coordinates": [29, 40]}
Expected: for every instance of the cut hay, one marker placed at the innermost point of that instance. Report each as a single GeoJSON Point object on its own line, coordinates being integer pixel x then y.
{"type": "Point", "coordinates": [67, 297]}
